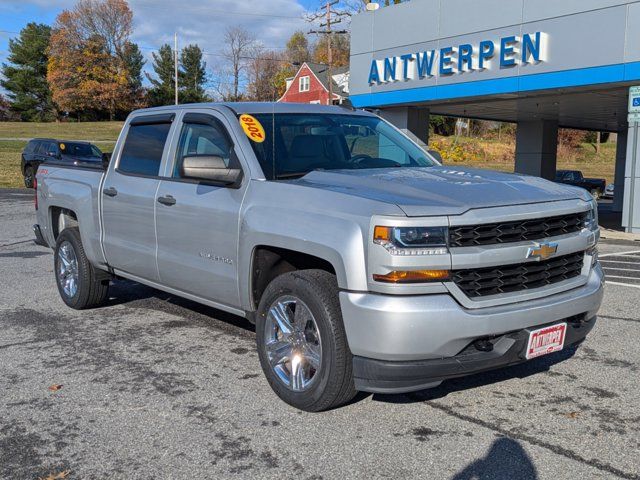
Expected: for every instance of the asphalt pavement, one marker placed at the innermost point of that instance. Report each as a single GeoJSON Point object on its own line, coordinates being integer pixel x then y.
{"type": "Point", "coordinates": [155, 387]}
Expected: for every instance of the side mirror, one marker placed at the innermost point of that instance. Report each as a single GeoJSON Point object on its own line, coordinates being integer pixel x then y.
{"type": "Point", "coordinates": [209, 167]}
{"type": "Point", "coordinates": [436, 155]}
{"type": "Point", "coordinates": [106, 158]}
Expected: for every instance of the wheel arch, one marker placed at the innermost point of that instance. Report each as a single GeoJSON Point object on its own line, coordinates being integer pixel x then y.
{"type": "Point", "coordinates": [269, 262]}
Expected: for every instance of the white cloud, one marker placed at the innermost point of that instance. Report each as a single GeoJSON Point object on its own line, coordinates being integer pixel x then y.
{"type": "Point", "coordinates": [204, 22]}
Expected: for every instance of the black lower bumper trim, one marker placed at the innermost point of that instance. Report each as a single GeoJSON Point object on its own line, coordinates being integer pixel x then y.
{"type": "Point", "coordinates": [381, 376]}
{"type": "Point", "coordinates": [39, 240]}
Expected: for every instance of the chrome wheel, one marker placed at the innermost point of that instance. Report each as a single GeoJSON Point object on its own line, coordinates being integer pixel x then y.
{"type": "Point", "coordinates": [292, 343]}
{"type": "Point", "coordinates": [68, 269]}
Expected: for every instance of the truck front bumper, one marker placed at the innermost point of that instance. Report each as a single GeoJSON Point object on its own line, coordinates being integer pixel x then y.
{"type": "Point", "coordinates": [407, 343]}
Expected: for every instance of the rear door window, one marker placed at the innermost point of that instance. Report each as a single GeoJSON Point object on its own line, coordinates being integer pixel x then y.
{"type": "Point", "coordinates": [143, 148]}
{"type": "Point", "coordinates": [52, 150]}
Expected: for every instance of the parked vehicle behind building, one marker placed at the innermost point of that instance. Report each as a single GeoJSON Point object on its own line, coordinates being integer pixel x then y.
{"type": "Point", "coordinates": [41, 150]}
{"type": "Point", "coordinates": [609, 191]}
{"type": "Point", "coordinates": [364, 264]}
{"type": "Point", "coordinates": [595, 186]}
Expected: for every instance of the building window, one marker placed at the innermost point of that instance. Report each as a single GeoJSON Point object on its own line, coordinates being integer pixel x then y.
{"type": "Point", "coordinates": [304, 84]}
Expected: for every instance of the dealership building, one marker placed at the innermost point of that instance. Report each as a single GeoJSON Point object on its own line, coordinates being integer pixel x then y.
{"type": "Point", "coordinates": [539, 63]}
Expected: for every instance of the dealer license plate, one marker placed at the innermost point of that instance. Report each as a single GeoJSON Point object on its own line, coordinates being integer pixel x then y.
{"type": "Point", "coordinates": [546, 340]}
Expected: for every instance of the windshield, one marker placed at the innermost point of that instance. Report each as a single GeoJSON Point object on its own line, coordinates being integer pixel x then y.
{"type": "Point", "coordinates": [297, 144]}
{"type": "Point", "coordinates": [80, 150]}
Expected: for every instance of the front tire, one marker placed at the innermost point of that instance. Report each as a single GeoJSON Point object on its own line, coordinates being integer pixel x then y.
{"type": "Point", "coordinates": [301, 341]}
{"type": "Point", "coordinates": [29, 177]}
{"type": "Point", "coordinates": [80, 285]}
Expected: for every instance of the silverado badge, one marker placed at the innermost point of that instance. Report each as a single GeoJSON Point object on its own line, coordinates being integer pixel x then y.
{"type": "Point", "coordinates": [542, 250]}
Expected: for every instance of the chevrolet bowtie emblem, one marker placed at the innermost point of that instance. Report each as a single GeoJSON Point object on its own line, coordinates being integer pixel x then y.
{"type": "Point", "coordinates": [542, 251]}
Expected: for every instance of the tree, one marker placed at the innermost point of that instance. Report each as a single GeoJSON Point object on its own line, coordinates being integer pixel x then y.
{"type": "Point", "coordinates": [340, 50]}
{"type": "Point", "coordinates": [112, 20]}
{"type": "Point", "coordinates": [133, 62]}
{"type": "Point", "coordinates": [264, 79]}
{"type": "Point", "coordinates": [95, 31]}
{"type": "Point", "coordinates": [298, 48]}
{"type": "Point", "coordinates": [240, 44]}
{"type": "Point", "coordinates": [6, 113]}
{"type": "Point", "coordinates": [25, 77]}
{"type": "Point", "coordinates": [86, 80]}
{"type": "Point", "coordinates": [163, 85]}
{"type": "Point", "coordinates": [193, 75]}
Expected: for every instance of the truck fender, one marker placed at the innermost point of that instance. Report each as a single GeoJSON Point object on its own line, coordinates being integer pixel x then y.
{"type": "Point", "coordinates": [336, 240]}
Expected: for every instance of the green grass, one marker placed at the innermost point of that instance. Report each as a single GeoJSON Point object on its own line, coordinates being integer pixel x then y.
{"type": "Point", "coordinates": [98, 131]}
{"type": "Point", "coordinates": [10, 174]}
{"type": "Point", "coordinates": [104, 134]}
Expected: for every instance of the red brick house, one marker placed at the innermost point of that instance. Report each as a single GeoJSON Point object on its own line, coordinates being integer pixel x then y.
{"type": "Point", "coordinates": [311, 85]}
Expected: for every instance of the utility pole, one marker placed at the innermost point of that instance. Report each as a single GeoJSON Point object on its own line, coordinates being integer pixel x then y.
{"type": "Point", "coordinates": [175, 63]}
{"type": "Point", "coordinates": [331, 17]}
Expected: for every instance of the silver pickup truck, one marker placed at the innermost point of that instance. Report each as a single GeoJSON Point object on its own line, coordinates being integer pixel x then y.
{"type": "Point", "coordinates": [364, 263]}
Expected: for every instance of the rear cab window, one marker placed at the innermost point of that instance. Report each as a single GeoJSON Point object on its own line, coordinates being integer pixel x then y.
{"type": "Point", "coordinates": [144, 146]}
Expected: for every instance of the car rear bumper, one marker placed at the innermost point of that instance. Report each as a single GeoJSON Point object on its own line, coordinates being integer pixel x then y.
{"type": "Point", "coordinates": [393, 333]}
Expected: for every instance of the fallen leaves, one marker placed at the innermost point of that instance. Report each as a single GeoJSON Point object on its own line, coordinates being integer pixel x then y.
{"type": "Point", "coordinates": [55, 388]}
{"type": "Point", "coordinates": [57, 476]}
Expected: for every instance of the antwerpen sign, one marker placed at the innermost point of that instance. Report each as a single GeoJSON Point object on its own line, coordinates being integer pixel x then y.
{"type": "Point", "coordinates": [507, 52]}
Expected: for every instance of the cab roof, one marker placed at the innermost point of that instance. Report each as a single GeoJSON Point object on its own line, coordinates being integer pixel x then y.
{"type": "Point", "coordinates": [261, 107]}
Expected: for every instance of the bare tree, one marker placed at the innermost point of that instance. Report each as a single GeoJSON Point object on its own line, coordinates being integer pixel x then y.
{"type": "Point", "coordinates": [240, 47]}
{"type": "Point", "coordinates": [112, 20]}
{"type": "Point", "coordinates": [263, 72]}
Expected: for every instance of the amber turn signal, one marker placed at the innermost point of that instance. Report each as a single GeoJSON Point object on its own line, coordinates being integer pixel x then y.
{"type": "Point", "coordinates": [413, 276]}
{"type": "Point", "coordinates": [382, 233]}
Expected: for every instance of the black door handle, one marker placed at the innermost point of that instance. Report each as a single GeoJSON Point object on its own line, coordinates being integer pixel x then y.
{"type": "Point", "coordinates": [110, 192]}
{"type": "Point", "coordinates": [167, 200]}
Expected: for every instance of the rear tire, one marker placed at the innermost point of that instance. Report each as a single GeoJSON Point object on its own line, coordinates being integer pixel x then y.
{"type": "Point", "coordinates": [80, 285]}
{"type": "Point", "coordinates": [314, 292]}
{"type": "Point", "coordinates": [29, 177]}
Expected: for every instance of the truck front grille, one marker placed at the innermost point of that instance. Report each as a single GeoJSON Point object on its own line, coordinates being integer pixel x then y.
{"type": "Point", "coordinates": [511, 232]}
{"type": "Point", "coordinates": [483, 282]}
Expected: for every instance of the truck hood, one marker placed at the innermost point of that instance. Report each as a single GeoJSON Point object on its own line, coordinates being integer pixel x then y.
{"type": "Point", "coordinates": [442, 190]}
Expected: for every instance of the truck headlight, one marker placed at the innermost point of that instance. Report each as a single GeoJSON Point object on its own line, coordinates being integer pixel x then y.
{"type": "Point", "coordinates": [412, 241]}
{"type": "Point", "coordinates": [591, 220]}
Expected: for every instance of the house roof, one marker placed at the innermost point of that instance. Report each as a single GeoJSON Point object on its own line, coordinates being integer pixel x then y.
{"type": "Point", "coordinates": [321, 71]}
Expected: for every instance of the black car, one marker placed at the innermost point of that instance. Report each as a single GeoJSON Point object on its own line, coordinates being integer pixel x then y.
{"type": "Point", "coordinates": [595, 186]}
{"type": "Point", "coordinates": [41, 150]}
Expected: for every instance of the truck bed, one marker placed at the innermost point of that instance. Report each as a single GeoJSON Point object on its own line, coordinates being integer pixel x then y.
{"type": "Point", "coordinates": [74, 188]}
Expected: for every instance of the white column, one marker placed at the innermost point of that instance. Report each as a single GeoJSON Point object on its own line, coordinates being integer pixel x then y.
{"type": "Point", "coordinates": [631, 207]}
{"type": "Point", "coordinates": [413, 121]}
{"type": "Point", "coordinates": [621, 156]}
{"type": "Point", "coordinates": [537, 148]}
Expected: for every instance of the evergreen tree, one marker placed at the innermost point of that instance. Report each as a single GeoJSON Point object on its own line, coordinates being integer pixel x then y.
{"type": "Point", "coordinates": [162, 85]}
{"type": "Point", "coordinates": [193, 75]}
{"type": "Point", "coordinates": [25, 77]}
{"type": "Point", "coordinates": [133, 61]}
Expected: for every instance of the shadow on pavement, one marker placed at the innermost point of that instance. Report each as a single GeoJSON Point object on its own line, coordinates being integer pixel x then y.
{"type": "Point", "coordinates": [135, 295]}
{"type": "Point", "coordinates": [505, 460]}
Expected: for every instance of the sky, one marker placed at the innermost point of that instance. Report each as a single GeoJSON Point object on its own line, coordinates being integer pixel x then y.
{"type": "Point", "coordinates": [196, 21]}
